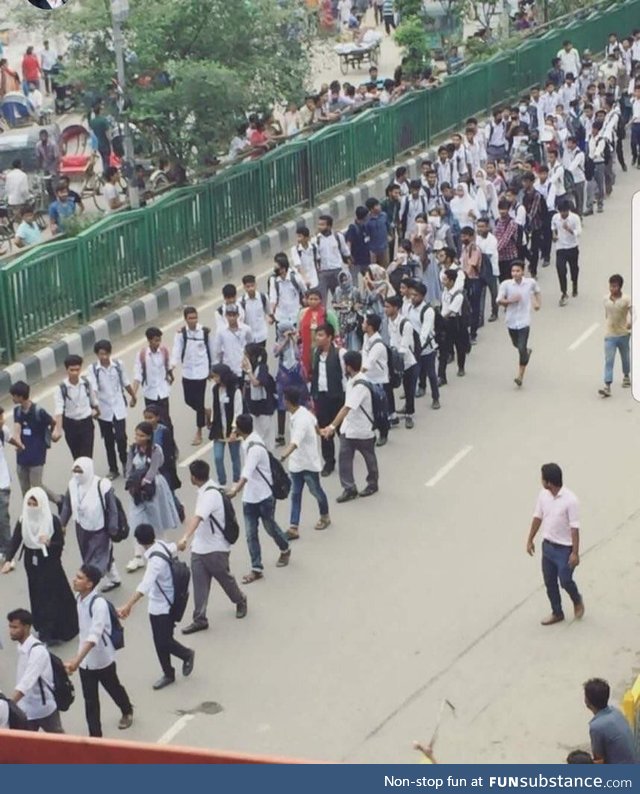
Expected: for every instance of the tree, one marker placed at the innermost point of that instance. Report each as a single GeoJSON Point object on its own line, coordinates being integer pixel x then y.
{"type": "Point", "coordinates": [412, 36]}
{"type": "Point", "coordinates": [193, 69]}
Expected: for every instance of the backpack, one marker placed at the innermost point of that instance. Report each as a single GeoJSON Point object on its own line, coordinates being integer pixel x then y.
{"type": "Point", "coordinates": [417, 347]}
{"type": "Point", "coordinates": [65, 392]}
{"type": "Point", "coordinates": [116, 635]}
{"type": "Point", "coordinates": [142, 358]}
{"type": "Point", "coordinates": [38, 412]}
{"type": "Point", "coordinates": [569, 181]}
{"type": "Point", "coordinates": [395, 364]}
{"type": "Point", "coordinates": [294, 280]}
{"type": "Point", "coordinates": [263, 298]}
{"type": "Point", "coordinates": [180, 576]}
{"type": "Point", "coordinates": [63, 691]}
{"type": "Point", "coordinates": [281, 480]}
{"type": "Point", "coordinates": [96, 374]}
{"type": "Point", "coordinates": [380, 419]}
{"type": "Point", "coordinates": [121, 531]}
{"type": "Point", "coordinates": [185, 339]}
{"type": "Point", "coordinates": [231, 528]}
{"type": "Point", "coordinates": [439, 325]}
{"type": "Point", "coordinates": [17, 718]}
{"type": "Point", "coordinates": [608, 152]}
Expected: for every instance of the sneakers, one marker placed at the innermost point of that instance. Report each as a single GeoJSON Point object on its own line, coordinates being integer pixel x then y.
{"type": "Point", "coordinates": [187, 665]}
{"type": "Point", "coordinates": [283, 559]}
{"type": "Point", "coordinates": [327, 470]}
{"type": "Point", "coordinates": [292, 533]}
{"type": "Point", "coordinates": [109, 586]}
{"type": "Point", "coordinates": [241, 609]}
{"type": "Point", "coordinates": [461, 373]}
{"type": "Point", "coordinates": [194, 627]}
{"type": "Point", "coordinates": [518, 382]}
{"type": "Point", "coordinates": [626, 382]}
{"type": "Point", "coordinates": [493, 318]}
{"type": "Point", "coordinates": [126, 721]}
{"type": "Point", "coordinates": [574, 292]}
{"type": "Point", "coordinates": [408, 422]}
{"type": "Point", "coordinates": [564, 299]}
{"type": "Point", "coordinates": [442, 381]}
{"type": "Point", "coordinates": [113, 475]}
{"type": "Point", "coordinates": [323, 522]}
{"type": "Point", "coordinates": [161, 683]}
{"type": "Point", "coordinates": [369, 491]}
{"type": "Point", "coordinates": [605, 391]}
{"type": "Point", "coordinates": [381, 441]}
{"type": "Point", "coordinates": [347, 496]}
{"type": "Point", "coordinates": [421, 392]}
{"type": "Point", "coordinates": [394, 421]}
{"type": "Point", "coordinates": [134, 564]}
{"type": "Point", "coordinates": [435, 404]}
{"type": "Point", "coordinates": [545, 263]}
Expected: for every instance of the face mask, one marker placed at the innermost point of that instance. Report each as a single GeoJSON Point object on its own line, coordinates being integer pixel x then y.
{"type": "Point", "coordinates": [32, 512]}
{"type": "Point", "coordinates": [77, 475]}
{"type": "Point", "coordinates": [522, 108]}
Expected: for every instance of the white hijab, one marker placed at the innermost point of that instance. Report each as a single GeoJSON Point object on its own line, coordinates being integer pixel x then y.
{"type": "Point", "coordinates": [461, 206]}
{"type": "Point", "coordinates": [86, 506]}
{"type": "Point", "coordinates": [36, 522]}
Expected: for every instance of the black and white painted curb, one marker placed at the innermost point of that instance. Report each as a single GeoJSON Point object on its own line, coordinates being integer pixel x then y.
{"type": "Point", "coordinates": [228, 268]}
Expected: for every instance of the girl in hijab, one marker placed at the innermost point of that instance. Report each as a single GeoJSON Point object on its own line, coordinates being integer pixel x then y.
{"type": "Point", "coordinates": [348, 303]}
{"type": "Point", "coordinates": [260, 392]}
{"type": "Point", "coordinates": [227, 406]}
{"type": "Point", "coordinates": [163, 436]}
{"type": "Point", "coordinates": [53, 606]}
{"type": "Point", "coordinates": [463, 207]}
{"type": "Point", "coordinates": [91, 503]}
{"type": "Point", "coordinates": [290, 373]}
{"type": "Point", "coordinates": [312, 316]}
{"type": "Point", "coordinates": [151, 498]}
{"type": "Point", "coordinates": [486, 196]}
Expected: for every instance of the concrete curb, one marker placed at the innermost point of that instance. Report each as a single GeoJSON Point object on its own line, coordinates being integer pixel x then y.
{"type": "Point", "coordinates": [229, 267]}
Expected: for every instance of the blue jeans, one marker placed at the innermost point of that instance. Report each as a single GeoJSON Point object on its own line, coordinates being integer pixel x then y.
{"type": "Point", "coordinates": [611, 344]}
{"type": "Point", "coordinates": [555, 566]}
{"type": "Point", "coordinates": [265, 510]}
{"type": "Point", "coordinates": [218, 459]}
{"type": "Point", "coordinates": [312, 480]}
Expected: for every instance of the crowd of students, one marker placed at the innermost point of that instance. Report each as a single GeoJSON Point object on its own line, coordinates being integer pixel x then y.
{"type": "Point", "coordinates": [362, 319]}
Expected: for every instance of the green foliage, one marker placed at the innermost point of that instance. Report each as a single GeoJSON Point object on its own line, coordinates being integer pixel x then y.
{"type": "Point", "coordinates": [412, 36]}
{"type": "Point", "coordinates": [193, 68]}
{"type": "Point", "coordinates": [409, 8]}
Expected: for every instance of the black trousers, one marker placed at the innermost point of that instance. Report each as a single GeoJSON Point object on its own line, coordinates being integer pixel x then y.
{"type": "Point", "coordinates": [505, 269]}
{"type": "Point", "coordinates": [326, 411]}
{"type": "Point", "coordinates": [389, 22]}
{"type": "Point", "coordinates": [519, 339]}
{"type": "Point", "coordinates": [163, 405]}
{"type": "Point", "coordinates": [546, 238]}
{"type": "Point", "coordinates": [162, 628]}
{"type": "Point", "coordinates": [409, 381]}
{"type": "Point", "coordinates": [194, 391]}
{"type": "Point", "coordinates": [564, 257]}
{"type": "Point", "coordinates": [108, 677]}
{"type": "Point", "coordinates": [79, 435]}
{"type": "Point", "coordinates": [534, 251]}
{"type": "Point", "coordinates": [428, 370]}
{"type": "Point", "coordinates": [456, 337]}
{"type": "Point", "coordinates": [114, 434]}
{"type": "Point", "coordinates": [391, 399]}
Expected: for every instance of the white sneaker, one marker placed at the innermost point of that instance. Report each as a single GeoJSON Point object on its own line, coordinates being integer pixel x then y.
{"type": "Point", "coordinates": [134, 564]}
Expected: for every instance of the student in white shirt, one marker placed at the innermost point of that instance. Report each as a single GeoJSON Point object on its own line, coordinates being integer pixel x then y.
{"type": "Point", "coordinates": [304, 258]}
{"type": "Point", "coordinates": [517, 294]}
{"type": "Point", "coordinates": [193, 348]}
{"type": "Point", "coordinates": [557, 190]}
{"type": "Point", "coordinates": [76, 406]}
{"type": "Point", "coordinates": [456, 329]}
{"type": "Point", "coordinates": [210, 549]}
{"type": "Point", "coordinates": [96, 655]}
{"type": "Point", "coordinates": [305, 462]}
{"type": "Point", "coordinates": [5, 487]}
{"type": "Point", "coordinates": [495, 134]}
{"type": "Point", "coordinates": [157, 585]}
{"type": "Point", "coordinates": [110, 383]}
{"type": "Point", "coordinates": [422, 318]}
{"type": "Point", "coordinates": [34, 685]}
{"type": "Point", "coordinates": [488, 245]}
{"type": "Point", "coordinates": [229, 343]}
{"type": "Point", "coordinates": [566, 229]}
{"type": "Point", "coordinates": [357, 434]}
{"type": "Point", "coordinates": [258, 502]}
{"type": "Point", "coordinates": [255, 306]}
{"type": "Point", "coordinates": [401, 338]}
{"type": "Point", "coordinates": [569, 59]}
{"type": "Point", "coordinates": [635, 127]}
{"type": "Point", "coordinates": [333, 255]}
{"type": "Point", "coordinates": [375, 365]}
{"type": "Point", "coordinates": [229, 298]}
{"type": "Point", "coordinates": [573, 161]}
{"type": "Point", "coordinates": [153, 371]}
{"type": "Point", "coordinates": [286, 291]}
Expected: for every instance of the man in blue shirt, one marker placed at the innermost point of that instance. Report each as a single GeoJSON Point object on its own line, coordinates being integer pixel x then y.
{"type": "Point", "coordinates": [357, 239]}
{"type": "Point", "coordinates": [611, 737]}
{"type": "Point", "coordinates": [378, 228]}
{"type": "Point", "coordinates": [61, 210]}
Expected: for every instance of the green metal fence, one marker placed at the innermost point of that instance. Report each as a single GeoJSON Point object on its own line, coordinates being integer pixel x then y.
{"type": "Point", "coordinates": [68, 279]}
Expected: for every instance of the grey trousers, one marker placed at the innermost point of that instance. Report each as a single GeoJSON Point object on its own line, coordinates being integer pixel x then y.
{"type": "Point", "coordinates": [50, 724]}
{"type": "Point", "coordinates": [578, 193]}
{"type": "Point", "coordinates": [31, 477]}
{"type": "Point", "coordinates": [204, 568]}
{"type": "Point", "coordinates": [348, 448]}
{"type": "Point", "coordinates": [595, 187]}
{"type": "Point", "coordinates": [328, 282]}
{"type": "Point", "coordinates": [5, 520]}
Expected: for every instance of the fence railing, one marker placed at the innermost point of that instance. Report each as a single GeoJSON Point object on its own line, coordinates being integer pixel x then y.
{"type": "Point", "coordinates": [69, 279]}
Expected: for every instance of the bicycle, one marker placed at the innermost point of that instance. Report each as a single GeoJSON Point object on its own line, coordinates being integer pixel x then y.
{"type": "Point", "coordinates": [93, 184]}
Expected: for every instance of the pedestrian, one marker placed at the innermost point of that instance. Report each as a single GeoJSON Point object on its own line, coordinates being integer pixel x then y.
{"type": "Point", "coordinates": [573, 163]}
{"type": "Point", "coordinates": [193, 349]}
{"type": "Point", "coordinates": [33, 433]}
{"type": "Point", "coordinates": [151, 498]}
{"type": "Point", "coordinates": [290, 372]}
{"type": "Point", "coordinates": [517, 295]}
{"type": "Point", "coordinates": [422, 317]}
{"type": "Point", "coordinates": [557, 515]}
{"type": "Point", "coordinates": [286, 291]}
{"type": "Point", "coordinates": [5, 488]}
{"type": "Point", "coordinates": [76, 406]}
{"type": "Point", "coordinates": [595, 169]}
{"type": "Point", "coordinates": [28, 231]}
{"type": "Point", "coordinates": [227, 406]}
{"type": "Point", "coordinates": [566, 228]}
{"type": "Point", "coordinates": [333, 255]}
{"type": "Point", "coordinates": [312, 316]}
{"type": "Point", "coordinates": [16, 185]}
{"type": "Point", "coordinates": [378, 228]}
{"type": "Point", "coordinates": [355, 421]}
{"type": "Point", "coordinates": [48, 159]}
{"type": "Point", "coordinates": [612, 740]}
{"type": "Point", "coordinates": [490, 264]}
{"type": "Point", "coordinates": [258, 502]}
{"type": "Point", "coordinates": [304, 258]}
{"type": "Point", "coordinates": [327, 388]}
{"type": "Point", "coordinates": [31, 70]}
{"type": "Point", "coordinates": [257, 314]}
{"type": "Point", "coordinates": [34, 678]}
{"type": "Point", "coordinates": [617, 313]}
{"type": "Point", "coordinates": [96, 655]}
{"type": "Point", "coordinates": [456, 333]}
{"type": "Point", "coordinates": [153, 371]}
{"type": "Point", "coordinates": [260, 393]}
{"type": "Point", "coordinates": [359, 242]}
{"type": "Point", "coordinates": [388, 16]}
{"type": "Point", "coordinates": [229, 342]}
{"type": "Point", "coordinates": [61, 209]}
{"type": "Point", "coordinates": [229, 298]}
{"type": "Point", "coordinates": [40, 534]}
{"type": "Point", "coordinates": [391, 207]}
{"type": "Point", "coordinates": [157, 585]}
{"type": "Point", "coordinates": [375, 365]}
{"type": "Point", "coordinates": [635, 126]}
{"type": "Point", "coordinates": [412, 204]}
{"type": "Point", "coordinates": [110, 384]}
{"type": "Point", "coordinates": [91, 503]}
{"type": "Point", "coordinates": [304, 463]}
{"type": "Point", "coordinates": [403, 340]}
{"type": "Point", "coordinates": [100, 126]}
{"type": "Point", "coordinates": [210, 549]}
{"type": "Point", "coordinates": [471, 262]}
{"type": "Point", "coordinates": [48, 58]}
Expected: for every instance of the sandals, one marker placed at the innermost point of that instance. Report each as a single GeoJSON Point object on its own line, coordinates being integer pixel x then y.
{"type": "Point", "coordinates": [292, 533]}
{"type": "Point", "coordinates": [252, 577]}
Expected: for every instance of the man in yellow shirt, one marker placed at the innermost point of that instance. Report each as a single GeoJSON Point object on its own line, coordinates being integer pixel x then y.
{"type": "Point", "coordinates": [617, 312]}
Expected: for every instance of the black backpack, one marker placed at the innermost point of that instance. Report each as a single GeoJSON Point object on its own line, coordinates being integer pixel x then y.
{"type": "Point", "coordinates": [417, 347]}
{"type": "Point", "coordinates": [116, 635]}
{"type": "Point", "coordinates": [281, 481]}
{"type": "Point", "coordinates": [181, 576]}
{"type": "Point", "coordinates": [63, 691]}
{"type": "Point", "coordinates": [380, 419]}
{"type": "Point", "coordinates": [17, 718]}
{"type": "Point", "coordinates": [231, 528]}
{"type": "Point", "coordinates": [121, 531]}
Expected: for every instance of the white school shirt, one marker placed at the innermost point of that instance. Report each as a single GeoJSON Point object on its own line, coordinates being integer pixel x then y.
{"type": "Point", "coordinates": [635, 50]}
{"type": "Point", "coordinates": [489, 245]}
{"type": "Point", "coordinates": [422, 318]}
{"type": "Point", "coordinates": [208, 537]}
{"type": "Point", "coordinates": [94, 622]}
{"type": "Point", "coordinates": [302, 432]}
{"type": "Point", "coordinates": [357, 423]}
{"type": "Point", "coordinates": [157, 578]}
{"type": "Point", "coordinates": [451, 301]}
{"type": "Point", "coordinates": [5, 477]}
{"type": "Point", "coordinates": [375, 360]}
{"type": "Point", "coordinates": [105, 382]}
{"type": "Point", "coordinates": [559, 514]}
{"type": "Point", "coordinates": [79, 403]}
{"type": "Point", "coordinates": [518, 315]}
{"type": "Point", "coordinates": [156, 386]}
{"type": "Point", "coordinates": [413, 208]}
{"type": "Point", "coordinates": [447, 172]}
{"type": "Point", "coordinates": [195, 364]}
{"type": "Point", "coordinates": [495, 134]}
{"type": "Point", "coordinates": [255, 315]}
{"type": "Point", "coordinates": [221, 317]}
{"type": "Point", "coordinates": [304, 261]}
{"type": "Point", "coordinates": [402, 340]}
{"type": "Point", "coordinates": [256, 471]}
{"type": "Point", "coordinates": [570, 61]}
{"type": "Point", "coordinates": [34, 665]}
{"type": "Point", "coordinates": [228, 347]}
{"type": "Point", "coordinates": [574, 161]}
{"type": "Point", "coordinates": [284, 297]}
{"type": "Point", "coordinates": [635, 111]}
{"type": "Point", "coordinates": [557, 188]}
{"type": "Point", "coordinates": [331, 249]}
{"type": "Point", "coordinates": [547, 106]}
{"type": "Point", "coordinates": [566, 239]}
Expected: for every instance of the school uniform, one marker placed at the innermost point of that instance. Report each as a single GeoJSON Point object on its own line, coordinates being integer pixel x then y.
{"type": "Point", "coordinates": [109, 384]}
{"type": "Point", "coordinates": [75, 403]}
